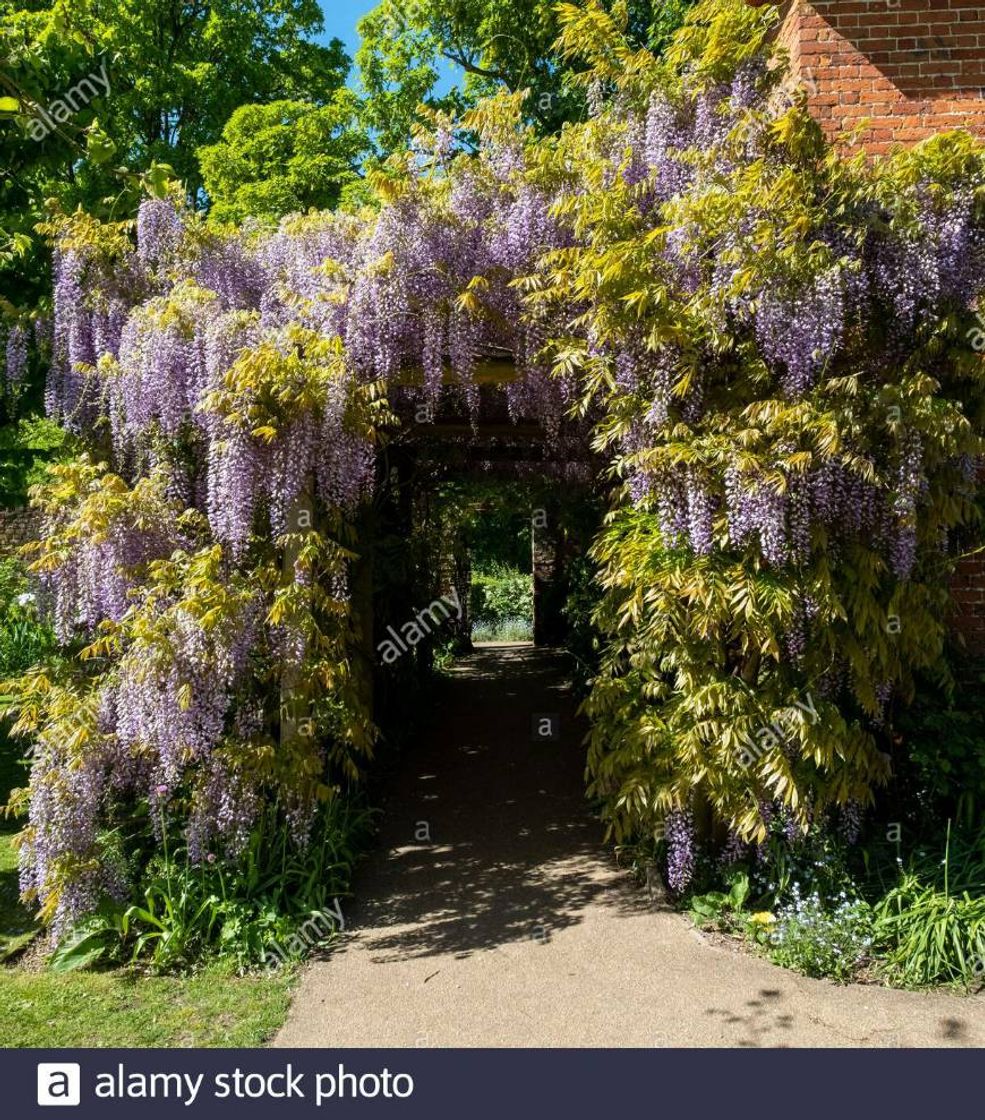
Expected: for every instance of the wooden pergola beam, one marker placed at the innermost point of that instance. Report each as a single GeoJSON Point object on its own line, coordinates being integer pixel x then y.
{"type": "Point", "coordinates": [489, 371]}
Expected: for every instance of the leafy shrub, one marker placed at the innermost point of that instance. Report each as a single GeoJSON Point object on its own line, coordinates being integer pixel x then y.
{"type": "Point", "coordinates": [579, 612]}
{"type": "Point", "coordinates": [25, 638]}
{"type": "Point", "coordinates": [720, 908]}
{"type": "Point", "coordinates": [275, 903]}
{"type": "Point", "coordinates": [502, 605]}
{"type": "Point", "coordinates": [816, 863]}
{"type": "Point", "coordinates": [817, 939]}
{"type": "Point", "coordinates": [503, 630]}
{"type": "Point", "coordinates": [932, 924]}
{"type": "Point", "coordinates": [25, 449]}
{"type": "Point", "coordinates": [816, 923]}
{"type": "Point", "coordinates": [944, 734]}
{"type": "Point", "coordinates": [919, 926]}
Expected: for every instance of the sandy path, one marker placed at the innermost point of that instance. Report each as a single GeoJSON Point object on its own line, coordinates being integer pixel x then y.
{"type": "Point", "coordinates": [513, 927]}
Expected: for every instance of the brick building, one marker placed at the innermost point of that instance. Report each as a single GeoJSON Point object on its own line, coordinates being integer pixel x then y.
{"type": "Point", "coordinates": [907, 67]}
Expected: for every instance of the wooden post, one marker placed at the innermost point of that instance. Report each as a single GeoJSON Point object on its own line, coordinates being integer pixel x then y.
{"type": "Point", "coordinates": [546, 540]}
{"type": "Point", "coordinates": [294, 702]}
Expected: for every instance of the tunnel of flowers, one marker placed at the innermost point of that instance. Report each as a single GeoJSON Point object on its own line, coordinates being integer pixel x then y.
{"type": "Point", "coordinates": [750, 348]}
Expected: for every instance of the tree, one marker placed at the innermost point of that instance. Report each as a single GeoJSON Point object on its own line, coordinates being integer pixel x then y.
{"type": "Point", "coordinates": [178, 71]}
{"type": "Point", "coordinates": [283, 157]}
{"type": "Point", "coordinates": [40, 157]}
{"type": "Point", "coordinates": [497, 43]}
{"type": "Point", "coordinates": [98, 95]}
{"type": "Point", "coordinates": [95, 88]}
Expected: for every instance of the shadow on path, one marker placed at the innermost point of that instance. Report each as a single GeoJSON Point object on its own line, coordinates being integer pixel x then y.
{"type": "Point", "coordinates": [487, 836]}
{"type": "Point", "coordinates": [492, 913]}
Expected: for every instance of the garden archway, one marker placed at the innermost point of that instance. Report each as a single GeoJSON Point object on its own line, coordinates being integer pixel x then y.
{"type": "Point", "coordinates": [772, 344]}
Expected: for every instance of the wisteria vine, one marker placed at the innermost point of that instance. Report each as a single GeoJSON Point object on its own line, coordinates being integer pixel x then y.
{"type": "Point", "coordinates": [233, 387]}
{"type": "Point", "coordinates": [767, 337]}
{"type": "Point", "coordinates": [776, 335]}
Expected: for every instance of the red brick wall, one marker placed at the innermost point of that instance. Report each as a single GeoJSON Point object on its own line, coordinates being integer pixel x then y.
{"type": "Point", "coordinates": [968, 595]}
{"type": "Point", "coordinates": [909, 68]}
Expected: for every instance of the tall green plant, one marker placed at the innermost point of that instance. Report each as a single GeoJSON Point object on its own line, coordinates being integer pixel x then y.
{"type": "Point", "coordinates": [932, 923]}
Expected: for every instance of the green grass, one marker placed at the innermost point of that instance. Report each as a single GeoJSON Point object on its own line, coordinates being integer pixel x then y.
{"type": "Point", "coordinates": [932, 923]}
{"type": "Point", "coordinates": [127, 1009]}
{"type": "Point", "coordinates": [17, 928]}
{"type": "Point", "coordinates": [121, 1007]}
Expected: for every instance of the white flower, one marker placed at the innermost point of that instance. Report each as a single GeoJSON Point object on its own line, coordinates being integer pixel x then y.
{"type": "Point", "coordinates": [23, 600]}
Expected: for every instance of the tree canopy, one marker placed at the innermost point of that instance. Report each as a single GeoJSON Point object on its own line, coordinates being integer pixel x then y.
{"type": "Point", "coordinates": [497, 44]}
{"type": "Point", "coordinates": [284, 157]}
{"type": "Point", "coordinates": [167, 79]}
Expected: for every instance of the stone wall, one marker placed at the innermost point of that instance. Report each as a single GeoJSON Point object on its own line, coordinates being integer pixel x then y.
{"type": "Point", "coordinates": [17, 527]}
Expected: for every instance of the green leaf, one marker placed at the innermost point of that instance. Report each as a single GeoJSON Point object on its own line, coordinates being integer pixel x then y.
{"type": "Point", "coordinates": [739, 893]}
{"type": "Point", "coordinates": [99, 145]}
{"type": "Point", "coordinates": [78, 951]}
{"type": "Point", "coordinates": [158, 179]}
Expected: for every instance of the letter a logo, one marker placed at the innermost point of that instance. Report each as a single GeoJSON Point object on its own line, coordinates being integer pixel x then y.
{"type": "Point", "coordinates": [59, 1083]}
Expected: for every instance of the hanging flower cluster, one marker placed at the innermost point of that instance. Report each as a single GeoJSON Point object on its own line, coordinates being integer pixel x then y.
{"type": "Point", "coordinates": [236, 384]}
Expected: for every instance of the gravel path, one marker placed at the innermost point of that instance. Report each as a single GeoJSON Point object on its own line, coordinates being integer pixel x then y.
{"type": "Point", "coordinates": [512, 926]}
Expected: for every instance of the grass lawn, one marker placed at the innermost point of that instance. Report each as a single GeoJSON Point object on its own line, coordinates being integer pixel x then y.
{"type": "Point", "coordinates": [120, 1007]}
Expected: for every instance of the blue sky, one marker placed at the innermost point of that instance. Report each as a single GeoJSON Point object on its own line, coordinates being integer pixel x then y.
{"type": "Point", "coordinates": [341, 17]}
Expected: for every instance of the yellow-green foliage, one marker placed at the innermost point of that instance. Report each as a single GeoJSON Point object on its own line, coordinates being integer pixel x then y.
{"type": "Point", "coordinates": [307, 714]}
{"type": "Point", "coordinates": [695, 662]}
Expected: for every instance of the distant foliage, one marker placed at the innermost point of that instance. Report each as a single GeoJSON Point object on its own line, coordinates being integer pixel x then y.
{"type": "Point", "coordinates": [493, 46]}
{"type": "Point", "coordinates": [283, 158]}
{"type": "Point", "coordinates": [25, 635]}
{"type": "Point", "coordinates": [502, 605]}
{"type": "Point", "coordinates": [26, 448]}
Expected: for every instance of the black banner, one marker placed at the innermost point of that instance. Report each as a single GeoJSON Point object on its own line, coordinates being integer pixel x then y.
{"type": "Point", "coordinates": [486, 1083]}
